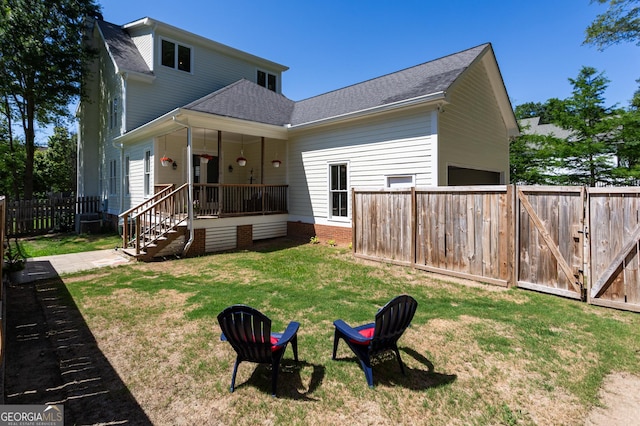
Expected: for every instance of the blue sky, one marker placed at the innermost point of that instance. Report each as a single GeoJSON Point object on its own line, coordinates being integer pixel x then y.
{"type": "Point", "coordinates": [330, 44]}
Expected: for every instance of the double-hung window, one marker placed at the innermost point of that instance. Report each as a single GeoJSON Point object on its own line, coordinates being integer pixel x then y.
{"type": "Point", "coordinates": [174, 55]}
{"type": "Point", "coordinates": [147, 173]}
{"type": "Point", "coordinates": [127, 166]}
{"type": "Point", "coordinates": [338, 191]}
{"type": "Point", "coordinates": [113, 113]}
{"type": "Point", "coordinates": [113, 172]}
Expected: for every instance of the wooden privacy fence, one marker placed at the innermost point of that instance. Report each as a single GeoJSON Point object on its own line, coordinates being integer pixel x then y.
{"type": "Point", "coordinates": [575, 242]}
{"type": "Point", "coordinates": [34, 217]}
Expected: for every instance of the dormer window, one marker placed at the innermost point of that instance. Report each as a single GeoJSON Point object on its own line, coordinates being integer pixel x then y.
{"type": "Point", "coordinates": [267, 80]}
{"type": "Point", "coordinates": [176, 56]}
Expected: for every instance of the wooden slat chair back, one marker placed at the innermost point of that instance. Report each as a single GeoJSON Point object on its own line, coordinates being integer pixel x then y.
{"type": "Point", "coordinates": [380, 336]}
{"type": "Point", "coordinates": [249, 333]}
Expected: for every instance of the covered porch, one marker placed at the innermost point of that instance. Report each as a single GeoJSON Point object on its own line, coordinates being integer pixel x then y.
{"type": "Point", "coordinates": [202, 174]}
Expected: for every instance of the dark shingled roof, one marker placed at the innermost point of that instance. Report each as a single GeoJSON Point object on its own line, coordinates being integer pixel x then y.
{"type": "Point", "coordinates": [247, 101]}
{"type": "Point", "coordinates": [420, 80]}
{"type": "Point", "coordinates": [125, 53]}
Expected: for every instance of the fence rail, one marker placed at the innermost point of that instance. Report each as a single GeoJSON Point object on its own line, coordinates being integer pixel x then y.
{"type": "Point", "coordinates": [36, 217]}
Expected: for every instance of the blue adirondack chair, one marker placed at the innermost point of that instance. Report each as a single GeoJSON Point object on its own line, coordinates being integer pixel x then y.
{"type": "Point", "coordinates": [377, 337]}
{"type": "Point", "coordinates": [249, 333]}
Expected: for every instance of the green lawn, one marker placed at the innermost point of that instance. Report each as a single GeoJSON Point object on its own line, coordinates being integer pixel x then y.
{"type": "Point", "coordinates": [48, 245]}
{"type": "Point", "coordinates": [475, 354]}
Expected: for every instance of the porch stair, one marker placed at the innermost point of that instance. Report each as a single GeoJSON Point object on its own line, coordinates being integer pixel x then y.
{"type": "Point", "coordinates": [169, 244]}
{"type": "Point", "coordinates": [157, 227]}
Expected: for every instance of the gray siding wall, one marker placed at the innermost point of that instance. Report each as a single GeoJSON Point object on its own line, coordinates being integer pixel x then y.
{"type": "Point", "coordinates": [398, 143]}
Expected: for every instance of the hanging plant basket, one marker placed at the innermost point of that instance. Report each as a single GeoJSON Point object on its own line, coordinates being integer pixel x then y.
{"type": "Point", "coordinates": [276, 163]}
{"type": "Point", "coordinates": [241, 161]}
{"type": "Point", "coordinates": [204, 158]}
{"type": "Point", "coordinates": [166, 161]}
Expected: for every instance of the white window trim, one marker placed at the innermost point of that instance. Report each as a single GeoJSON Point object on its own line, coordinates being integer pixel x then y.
{"type": "Point", "coordinates": [389, 178]}
{"type": "Point", "coordinates": [175, 57]}
{"type": "Point", "coordinates": [330, 216]}
{"type": "Point", "coordinates": [113, 177]}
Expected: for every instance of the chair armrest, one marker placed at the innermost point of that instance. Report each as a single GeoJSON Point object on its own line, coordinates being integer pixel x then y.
{"type": "Point", "coordinates": [288, 334]}
{"type": "Point", "coordinates": [350, 332]}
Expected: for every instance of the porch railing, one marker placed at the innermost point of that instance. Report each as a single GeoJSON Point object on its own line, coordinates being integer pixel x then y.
{"type": "Point", "coordinates": [224, 200]}
{"type": "Point", "coordinates": [145, 223]}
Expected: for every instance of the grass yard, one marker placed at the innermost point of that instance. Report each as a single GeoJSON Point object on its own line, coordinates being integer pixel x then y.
{"type": "Point", "coordinates": [53, 244]}
{"type": "Point", "coordinates": [475, 354]}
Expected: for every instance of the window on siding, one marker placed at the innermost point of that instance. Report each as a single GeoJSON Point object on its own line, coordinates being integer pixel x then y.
{"type": "Point", "coordinates": [147, 173]}
{"type": "Point", "coordinates": [401, 181]}
{"type": "Point", "coordinates": [338, 190]}
{"type": "Point", "coordinates": [267, 80]}
{"type": "Point", "coordinates": [174, 55]}
{"type": "Point", "coordinates": [113, 172]}
{"type": "Point", "coordinates": [127, 165]}
{"type": "Point", "coordinates": [113, 113]}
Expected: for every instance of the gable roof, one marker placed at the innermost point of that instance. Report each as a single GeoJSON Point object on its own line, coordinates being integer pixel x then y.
{"type": "Point", "coordinates": [123, 51]}
{"type": "Point", "coordinates": [430, 78]}
{"type": "Point", "coordinates": [247, 101]}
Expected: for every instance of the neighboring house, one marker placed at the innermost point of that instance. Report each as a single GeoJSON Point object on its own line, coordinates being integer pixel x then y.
{"type": "Point", "coordinates": [159, 91]}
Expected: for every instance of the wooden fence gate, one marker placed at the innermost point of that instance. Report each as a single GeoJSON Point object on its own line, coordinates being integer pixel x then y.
{"type": "Point", "coordinates": [614, 234]}
{"type": "Point", "coordinates": [550, 239]}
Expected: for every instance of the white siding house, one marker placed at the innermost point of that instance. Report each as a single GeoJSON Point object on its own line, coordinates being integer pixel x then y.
{"type": "Point", "coordinates": [160, 91]}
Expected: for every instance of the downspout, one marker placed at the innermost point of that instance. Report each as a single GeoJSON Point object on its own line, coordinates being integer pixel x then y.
{"type": "Point", "coordinates": [189, 186]}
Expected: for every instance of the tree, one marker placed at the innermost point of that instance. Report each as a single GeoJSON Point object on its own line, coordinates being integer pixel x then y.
{"type": "Point", "coordinates": [42, 59]}
{"type": "Point", "coordinates": [628, 150]}
{"type": "Point", "coordinates": [533, 109]}
{"type": "Point", "coordinates": [587, 157]}
{"type": "Point", "coordinates": [55, 167]}
{"type": "Point", "coordinates": [620, 23]}
{"type": "Point", "coordinates": [529, 154]}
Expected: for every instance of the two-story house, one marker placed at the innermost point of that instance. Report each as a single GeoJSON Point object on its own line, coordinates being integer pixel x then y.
{"type": "Point", "coordinates": [191, 141]}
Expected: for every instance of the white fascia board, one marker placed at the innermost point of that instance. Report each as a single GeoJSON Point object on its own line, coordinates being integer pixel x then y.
{"type": "Point", "coordinates": [167, 123]}
{"type": "Point", "coordinates": [435, 98]}
{"type": "Point", "coordinates": [137, 76]}
{"type": "Point", "coordinates": [234, 125]}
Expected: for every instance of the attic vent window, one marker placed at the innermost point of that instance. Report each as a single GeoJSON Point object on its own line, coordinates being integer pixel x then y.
{"type": "Point", "coordinates": [267, 80]}
{"type": "Point", "coordinates": [176, 56]}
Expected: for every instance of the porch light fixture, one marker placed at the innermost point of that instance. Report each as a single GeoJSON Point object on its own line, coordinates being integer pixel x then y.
{"type": "Point", "coordinates": [174, 166]}
{"type": "Point", "coordinates": [241, 160]}
{"type": "Point", "coordinates": [276, 163]}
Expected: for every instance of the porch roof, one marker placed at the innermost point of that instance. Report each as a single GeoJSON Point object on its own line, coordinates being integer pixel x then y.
{"type": "Point", "coordinates": [246, 100]}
